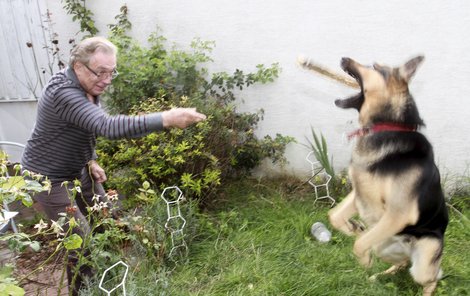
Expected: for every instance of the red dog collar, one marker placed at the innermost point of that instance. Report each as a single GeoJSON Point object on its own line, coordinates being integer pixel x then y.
{"type": "Point", "coordinates": [383, 127]}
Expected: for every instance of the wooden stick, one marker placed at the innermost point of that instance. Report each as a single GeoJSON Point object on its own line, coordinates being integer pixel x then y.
{"type": "Point", "coordinates": [308, 64]}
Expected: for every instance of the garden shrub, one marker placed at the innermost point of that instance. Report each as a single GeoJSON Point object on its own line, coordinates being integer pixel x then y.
{"type": "Point", "coordinates": [196, 159]}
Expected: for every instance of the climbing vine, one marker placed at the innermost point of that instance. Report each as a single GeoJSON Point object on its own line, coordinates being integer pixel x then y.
{"type": "Point", "coordinates": [79, 12]}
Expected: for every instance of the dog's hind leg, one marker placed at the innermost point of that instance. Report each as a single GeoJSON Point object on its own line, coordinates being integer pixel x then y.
{"type": "Point", "coordinates": [341, 214]}
{"type": "Point", "coordinates": [426, 261]}
{"type": "Point", "coordinates": [397, 251]}
{"type": "Point", "coordinates": [392, 270]}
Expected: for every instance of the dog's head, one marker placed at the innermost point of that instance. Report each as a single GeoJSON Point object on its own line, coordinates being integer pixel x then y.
{"type": "Point", "coordinates": [384, 95]}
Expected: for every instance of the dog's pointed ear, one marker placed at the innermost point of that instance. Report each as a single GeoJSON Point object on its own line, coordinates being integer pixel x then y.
{"type": "Point", "coordinates": [384, 70]}
{"type": "Point", "coordinates": [408, 70]}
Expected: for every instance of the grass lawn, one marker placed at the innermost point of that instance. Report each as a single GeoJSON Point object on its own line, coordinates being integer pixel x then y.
{"type": "Point", "coordinates": [256, 241]}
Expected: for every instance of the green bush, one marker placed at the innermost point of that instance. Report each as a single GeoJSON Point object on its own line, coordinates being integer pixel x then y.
{"type": "Point", "coordinates": [196, 159]}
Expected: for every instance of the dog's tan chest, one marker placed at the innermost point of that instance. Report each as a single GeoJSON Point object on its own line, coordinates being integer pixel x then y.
{"type": "Point", "coordinates": [370, 194]}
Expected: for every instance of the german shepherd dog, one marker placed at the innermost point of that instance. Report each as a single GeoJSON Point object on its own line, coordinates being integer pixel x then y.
{"type": "Point", "coordinates": [396, 191]}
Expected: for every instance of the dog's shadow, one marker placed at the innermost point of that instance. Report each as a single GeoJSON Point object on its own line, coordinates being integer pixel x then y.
{"type": "Point", "coordinates": [398, 282]}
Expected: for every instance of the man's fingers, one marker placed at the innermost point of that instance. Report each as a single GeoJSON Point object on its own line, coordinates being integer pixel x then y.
{"type": "Point", "coordinates": [199, 116]}
{"type": "Point", "coordinates": [182, 117]}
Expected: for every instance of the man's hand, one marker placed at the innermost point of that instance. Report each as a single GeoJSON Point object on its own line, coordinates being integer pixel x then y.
{"type": "Point", "coordinates": [97, 172]}
{"type": "Point", "coordinates": [181, 117]}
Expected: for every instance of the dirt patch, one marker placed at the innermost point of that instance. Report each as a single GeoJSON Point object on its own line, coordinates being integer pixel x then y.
{"type": "Point", "coordinates": [39, 278]}
{"type": "Point", "coordinates": [38, 273]}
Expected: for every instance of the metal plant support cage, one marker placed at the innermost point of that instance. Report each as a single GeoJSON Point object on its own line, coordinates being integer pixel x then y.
{"type": "Point", "coordinates": [175, 224]}
{"type": "Point", "coordinates": [319, 179]}
{"type": "Point", "coordinates": [122, 283]}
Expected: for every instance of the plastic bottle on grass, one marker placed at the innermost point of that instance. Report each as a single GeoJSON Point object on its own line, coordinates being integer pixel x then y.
{"type": "Point", "coordinates": [320, 232]}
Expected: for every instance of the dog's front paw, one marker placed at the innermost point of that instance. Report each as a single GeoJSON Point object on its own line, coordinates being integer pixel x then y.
{"type": "Point", "coordinates": [340, 223]}
{"type": "Point", "coordinates": [364, 256]}
{"type": "Point", "coordinates": [365, 260]}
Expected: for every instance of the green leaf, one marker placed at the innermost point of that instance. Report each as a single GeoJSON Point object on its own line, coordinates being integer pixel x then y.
{"type": "Point", "coordinates": [27, 201]}
{"type": "Point", "coordinates": [5, 272]}
{"type": "Point", "coordinates": [35, 246]}
{"type": "Point", "coordinates": [73, 242]}
{"type": "Point", "coordinates": [146, 185]}
{"type": "Point", "coordinates": [11, 290]}
{"type": "Point", "coordinates": [15, 181]}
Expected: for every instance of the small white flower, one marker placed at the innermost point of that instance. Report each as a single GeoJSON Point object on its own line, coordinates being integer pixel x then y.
{"type": "Point", "coordinates": [32, 174]}
{"type": "Point", "coordinates": [113, 197]}
{"type": "Point", "coordinates": [46, 185]}
{"type": "Point", "coordinates": [56, 228]}
{"type": "Point", "coordinates": [96, 197]}
{"type": "Point", "coordinates": [40, 226]}
{"type": "Point", "coordinates": [95, 208]}
{"type": "Point", "coordinates": [103, 205]}
{"type": "Point", "coordinates": [78, 189]}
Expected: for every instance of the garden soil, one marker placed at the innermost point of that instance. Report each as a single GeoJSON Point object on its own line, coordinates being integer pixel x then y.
{"type": "Point", "coordinates": [45, 280]}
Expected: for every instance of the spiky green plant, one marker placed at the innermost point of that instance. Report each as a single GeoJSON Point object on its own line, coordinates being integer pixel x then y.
{"type": "Point", "coordinates": [320, 151]}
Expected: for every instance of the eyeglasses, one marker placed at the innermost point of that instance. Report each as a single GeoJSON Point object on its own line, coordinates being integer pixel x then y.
{"type": "Point", "coordinates": [103, 75]}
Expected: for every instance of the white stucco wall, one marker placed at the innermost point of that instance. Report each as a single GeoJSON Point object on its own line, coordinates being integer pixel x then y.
{"type": "Point", "coordinates": [250, 32]}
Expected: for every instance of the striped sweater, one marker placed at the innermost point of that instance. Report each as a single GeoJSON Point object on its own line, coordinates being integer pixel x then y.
{"type": "Point", "coordinates": [64, 136]}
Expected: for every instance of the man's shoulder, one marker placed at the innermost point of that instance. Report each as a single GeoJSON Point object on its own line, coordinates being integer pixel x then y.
{"type": "Point", "coordinates": [59, 79]}
{"type": "Point", "coordinates": [59, 82]}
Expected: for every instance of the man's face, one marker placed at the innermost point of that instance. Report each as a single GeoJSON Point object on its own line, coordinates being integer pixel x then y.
{"type": "Point", "coordinates": [96, 76]}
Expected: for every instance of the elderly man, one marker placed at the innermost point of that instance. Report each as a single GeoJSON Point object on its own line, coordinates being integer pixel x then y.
{"type": "Point", "coordinates": [70, 118]}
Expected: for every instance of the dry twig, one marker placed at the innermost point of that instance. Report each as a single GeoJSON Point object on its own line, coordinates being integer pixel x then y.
{"type": "Point", "coordinates": [308, 64]}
